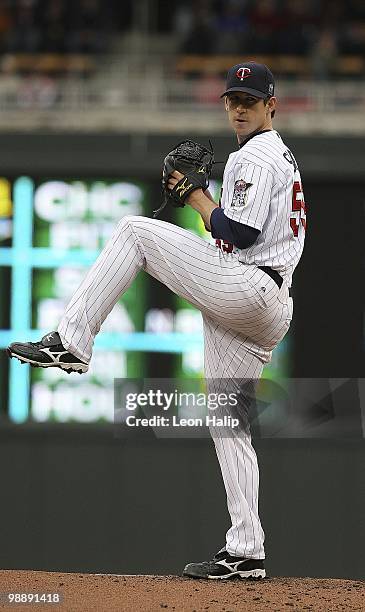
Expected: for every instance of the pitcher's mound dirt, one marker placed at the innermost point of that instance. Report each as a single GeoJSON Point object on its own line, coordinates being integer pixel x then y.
{"type": "Point", "coordinates": [104, 592]}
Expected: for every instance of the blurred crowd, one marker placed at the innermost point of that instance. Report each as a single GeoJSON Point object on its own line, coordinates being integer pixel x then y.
{"type": "Point", "coordinates": [202, 27]}
{"type": "Point", "coordinates": [295, 27]}
{"type": "Point", "coordinates": [56, 26]}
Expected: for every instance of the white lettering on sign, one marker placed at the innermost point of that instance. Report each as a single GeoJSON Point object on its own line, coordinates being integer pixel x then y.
{"type": "Point", "coordinates": [59, 200]}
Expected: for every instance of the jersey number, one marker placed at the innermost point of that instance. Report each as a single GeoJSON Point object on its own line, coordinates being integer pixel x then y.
{"type": "Point", "coordinates": [299, 208]}
{"type": "Point", "coordinates": [224, 245]}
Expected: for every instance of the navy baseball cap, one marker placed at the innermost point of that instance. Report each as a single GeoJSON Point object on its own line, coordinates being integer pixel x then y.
{"type": "Point", "coordinates": [252, 78]}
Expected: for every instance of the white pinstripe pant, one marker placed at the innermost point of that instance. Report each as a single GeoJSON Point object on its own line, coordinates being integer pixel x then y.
{"type": "Point", "coordinates": [245, 316]}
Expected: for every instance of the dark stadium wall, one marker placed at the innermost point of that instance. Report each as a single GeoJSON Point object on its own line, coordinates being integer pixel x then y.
{"type": "Point", "coordinates": [329, 297]}
{"type": "Point", "coordinates": [87, 502]}
{"type": "Point", "coordinates": [319, 157]}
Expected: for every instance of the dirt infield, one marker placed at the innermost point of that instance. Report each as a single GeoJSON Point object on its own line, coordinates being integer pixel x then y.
{"type": "Point", "coordinates": [104, 592]}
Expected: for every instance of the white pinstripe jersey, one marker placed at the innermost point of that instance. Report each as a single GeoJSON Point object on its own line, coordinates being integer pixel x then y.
{"type": "Point", "coordinates": [262, 188]}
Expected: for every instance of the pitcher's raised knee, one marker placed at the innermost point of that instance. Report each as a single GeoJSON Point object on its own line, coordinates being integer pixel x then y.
{"type": "Point", "coordinates": [130, 220]}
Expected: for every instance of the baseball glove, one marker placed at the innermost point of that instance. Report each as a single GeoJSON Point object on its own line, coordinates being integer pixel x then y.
{"type": "Point", "coordinates": [195, 162]}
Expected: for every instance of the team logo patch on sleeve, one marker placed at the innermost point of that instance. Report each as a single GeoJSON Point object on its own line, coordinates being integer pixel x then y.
{"type": "Point", "coordinates": [239, 193]}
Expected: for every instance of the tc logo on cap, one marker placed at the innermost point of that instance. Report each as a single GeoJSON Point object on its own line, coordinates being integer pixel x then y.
{"type": "Point", "coordinates": [243, 73]}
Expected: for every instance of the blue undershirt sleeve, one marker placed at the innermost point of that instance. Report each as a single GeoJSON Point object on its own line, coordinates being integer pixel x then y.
{"type": "Point", "coordinates": [242, 236]}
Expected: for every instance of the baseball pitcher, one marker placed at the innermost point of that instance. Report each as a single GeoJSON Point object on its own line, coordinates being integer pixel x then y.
{"type": "Point", "coordinates": [241, 285]}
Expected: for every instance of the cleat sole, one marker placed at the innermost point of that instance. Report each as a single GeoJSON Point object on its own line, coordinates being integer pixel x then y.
{"type": "Point", "coordinates": [254, 575]}
{"type": "Point", "coordinates": [257, 574]}
{"type": "Point", "coordinates": [66, 367]}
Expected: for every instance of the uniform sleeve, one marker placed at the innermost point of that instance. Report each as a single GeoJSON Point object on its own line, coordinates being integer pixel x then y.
{"type": "Point", "coordinates": [242, 236]}
{"type": "Point", "coordinates": [249, 189]}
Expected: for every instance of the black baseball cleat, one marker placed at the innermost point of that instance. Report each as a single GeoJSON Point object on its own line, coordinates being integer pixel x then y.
{"type": "Point", "coordinates": [48, 353]}
{"type": "Point", "coordinates": [224, 566]}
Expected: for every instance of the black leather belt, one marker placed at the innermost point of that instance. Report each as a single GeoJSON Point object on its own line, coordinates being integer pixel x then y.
{"type": "Point", "coordinates": [274, 275]}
